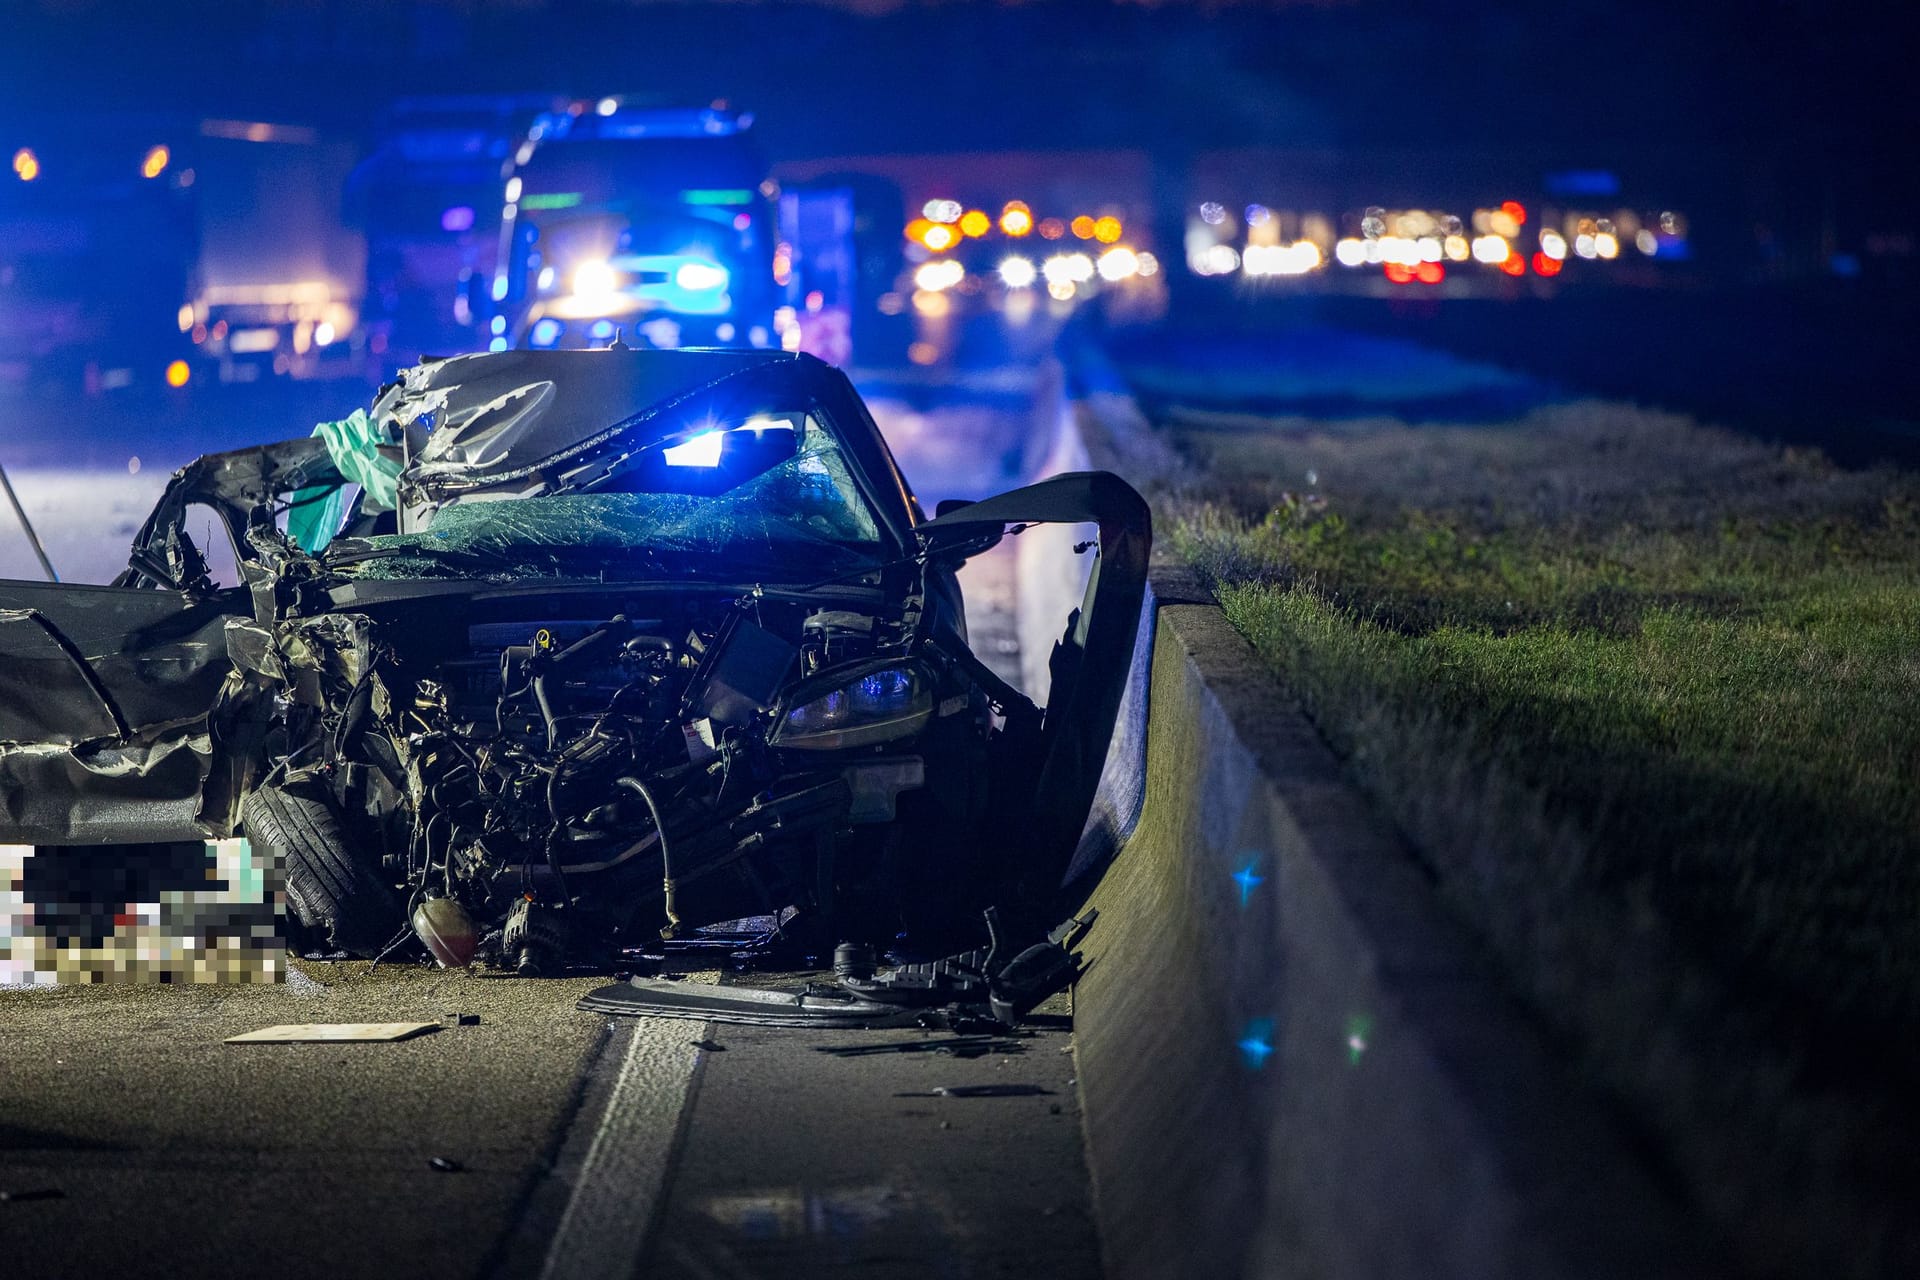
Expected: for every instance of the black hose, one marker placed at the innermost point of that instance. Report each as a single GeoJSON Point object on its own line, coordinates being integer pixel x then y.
{"type": "Point", "coordinates": [546, 708]}
{"type": "Point", "coordinates": [666, 862]}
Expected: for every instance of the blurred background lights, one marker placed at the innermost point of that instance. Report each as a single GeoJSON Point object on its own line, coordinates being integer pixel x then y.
{"type": "Point", "coordinates": [942, 273]}
{"type": "Point", "coordinates": [1118, 264]}
{"type": "Point", "coordinates": [1491, 249]}
{"type": "Point", "coordinates": [1553, 244]}
{"type": "Point", "coordinates": [698, 276]}
{"type": "Point", "coordinates": [1215, 260]}
{"type": "Point", "coordinates": [1017, 272]}
{"type": "Point", "coordinates": [1583, 245]}
{"type": "Point", "coordinates": [942, 210]}
{"type": "Point", "coordinates": [1399, 249]}
{"type": "Point", "coordinates": [1350, 252]}
{"type": "Point", "coordinates": [974, 222]}
{"type": "Point", "coordinates": [1295, 259]}
{"type": "Point", "coordinates": [26, 165]}
{"type": "Point", "coordinates": [1646, 242]}
{"type": "Point", "coordinates": [939, 236]}
{"type": "Point", "coordinates": [1083, 227]}
{"type": "Point", "coordinates": [1107, 230]}
{"type": "Point", "coordinates": [1075, 268]}
{"type": "Point", "coordinates": [1606, 245]}
{"type": "Point", "coordinates": [1213, 213]}
{"type": "Point", "coordinates": [1052, 229]}
{"type": "Point", "coordinates": [155, 162]}
{"type": "Point", "coordinates": [1016, 219]}
{"type": "Point", "coordinates": [595, 279]}
{"type": "Point", "coordinates": [607, 106]}
{"type": "Point", "coordinates": [1258, 215]}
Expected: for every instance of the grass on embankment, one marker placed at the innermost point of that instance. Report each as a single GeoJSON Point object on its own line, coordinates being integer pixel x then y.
{"type": "Point", "coordinates": [1647, 698]}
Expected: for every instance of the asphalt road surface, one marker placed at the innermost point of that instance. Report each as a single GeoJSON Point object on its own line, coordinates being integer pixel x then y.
{"type": "Point", "coordinates": [134, 1141]}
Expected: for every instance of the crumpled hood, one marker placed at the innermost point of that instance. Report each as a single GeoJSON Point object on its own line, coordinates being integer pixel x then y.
{"type": "Point", "coordinates": [491, 419]}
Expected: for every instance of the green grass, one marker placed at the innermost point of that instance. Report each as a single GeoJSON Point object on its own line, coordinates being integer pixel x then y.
{"type": "Point", "coordinates": [1646, 696]}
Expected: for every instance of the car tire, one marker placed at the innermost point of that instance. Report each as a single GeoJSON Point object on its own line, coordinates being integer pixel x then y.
{"type": "Point", "coordinates": [331, 890]}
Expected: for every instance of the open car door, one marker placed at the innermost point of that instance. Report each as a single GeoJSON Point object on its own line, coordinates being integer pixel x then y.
{"type": "Point", "coordinates": [1089, 664]}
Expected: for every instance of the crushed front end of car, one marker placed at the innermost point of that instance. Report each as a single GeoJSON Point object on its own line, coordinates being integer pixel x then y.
{"type": "Point", "coordinates": [556, 654]}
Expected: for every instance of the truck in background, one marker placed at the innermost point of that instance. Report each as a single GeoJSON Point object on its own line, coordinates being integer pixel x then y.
{"type": "Point", "coordinates": [428, 198]}
{"type": "Point", "coordinates": [275, 289]}
{"type": "Point", "coordinates": [653, 223]}
{"type": "Point", "coordinates": [839, 264]}
{"type": "Point", "coordinates": [98, 236]}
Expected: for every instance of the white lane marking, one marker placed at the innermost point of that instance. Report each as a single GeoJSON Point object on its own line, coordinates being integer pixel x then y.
{"type": "Point", "coordinates": [618, 1188]}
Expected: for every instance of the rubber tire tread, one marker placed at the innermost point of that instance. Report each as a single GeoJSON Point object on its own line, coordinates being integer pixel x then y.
{"type": "Point", "coordinates": [329, 888]}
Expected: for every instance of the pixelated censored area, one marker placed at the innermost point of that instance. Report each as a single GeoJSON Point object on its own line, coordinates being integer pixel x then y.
{"type": "Point", "coordinates": [197, 912]}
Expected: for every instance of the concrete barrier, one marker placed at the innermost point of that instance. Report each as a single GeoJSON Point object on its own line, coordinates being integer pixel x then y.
{"type": "Point", "coordinates": [1292, 1062]}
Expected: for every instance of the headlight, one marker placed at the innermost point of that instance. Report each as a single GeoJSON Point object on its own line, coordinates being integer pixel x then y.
{"type": "Point", "coordinates": [700, 277]}
{"type": "Point", "coordinates": [595, 279]}
{"type": "Point", "coordinates": [852, 707]}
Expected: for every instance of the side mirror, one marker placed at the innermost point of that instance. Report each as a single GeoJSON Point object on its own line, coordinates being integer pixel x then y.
{"type": "Point", "coordinates": [948, 506]}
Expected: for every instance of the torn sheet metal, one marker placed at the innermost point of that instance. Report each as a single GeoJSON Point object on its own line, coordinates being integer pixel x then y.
{"type": "Point", "coordinates": [108, 702]}
{"type": "Point", "coordinates": [496, 419]}
{"type": "Point", "coordinates": [980, 988]}
{"type": "Point", "coordinates": [823, 1007]}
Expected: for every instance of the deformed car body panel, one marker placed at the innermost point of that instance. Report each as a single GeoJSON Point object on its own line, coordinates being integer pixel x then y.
{"type": "Point", "coordinates": [591, 645]}
{"type": "Point", "coordinates": [107, 715]}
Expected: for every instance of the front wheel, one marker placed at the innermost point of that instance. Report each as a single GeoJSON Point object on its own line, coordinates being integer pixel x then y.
{"type": "Point", "coordinates": [331, 889]}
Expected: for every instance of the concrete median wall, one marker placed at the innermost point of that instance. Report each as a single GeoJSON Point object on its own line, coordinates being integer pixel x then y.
{"type": "Point", "coordinates": [1292, 1061]}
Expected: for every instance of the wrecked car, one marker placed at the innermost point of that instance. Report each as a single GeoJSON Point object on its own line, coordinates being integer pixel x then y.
{"type": "Point", "coordinates": [553, 654]}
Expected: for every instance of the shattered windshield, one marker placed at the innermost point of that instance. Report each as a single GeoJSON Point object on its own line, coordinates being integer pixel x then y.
{"type": "Point", "coordinates": [773, 493]}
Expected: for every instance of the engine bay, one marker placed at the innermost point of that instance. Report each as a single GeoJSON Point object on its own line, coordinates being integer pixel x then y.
{"type": "Point", "coordinates": [531, 785]}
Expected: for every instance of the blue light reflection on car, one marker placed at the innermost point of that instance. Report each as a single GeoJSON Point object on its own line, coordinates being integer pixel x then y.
{"type": "Point", "coordinates": [822, 712]}
{"type": "Point", "coordinates": [888, 690]}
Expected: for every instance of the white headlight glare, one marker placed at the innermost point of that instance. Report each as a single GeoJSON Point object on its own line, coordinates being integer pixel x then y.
{"type": "Point", "coordinates": [700, 277]}
{"type": "Point", "coordinates": [872, 703]}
